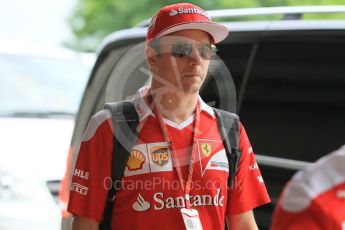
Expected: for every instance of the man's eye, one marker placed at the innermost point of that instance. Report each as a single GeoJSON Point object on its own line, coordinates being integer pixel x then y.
{"type": "Point", "coordinates": [185, 49]}
{"type": "Point", "coordinates": [181, 49]}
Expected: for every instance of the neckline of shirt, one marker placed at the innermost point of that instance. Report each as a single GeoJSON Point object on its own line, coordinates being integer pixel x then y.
{"type": "Point", "coordinates": [144, 110]}
{"type": "Point", "coordinates": [182, 125]}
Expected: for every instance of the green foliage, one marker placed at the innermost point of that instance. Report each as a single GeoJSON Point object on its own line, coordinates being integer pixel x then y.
{"type": "Point", "coordinates": [92, 20]}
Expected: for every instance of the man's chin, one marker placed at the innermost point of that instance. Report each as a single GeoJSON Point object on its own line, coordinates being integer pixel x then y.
{"type": "Point", "coordinates": [191, 89]}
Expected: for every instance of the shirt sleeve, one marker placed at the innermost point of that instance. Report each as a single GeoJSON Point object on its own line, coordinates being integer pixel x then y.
{"type": "Point", "coordinates": [248, 190]}
{"type": "Point", "coordinates": [297, 210]}
{"type": "Point", "coordinates": [297, 221]}
{"type": "Point", "coordinates": [92, 173]}
{"type": "Point", "coordinates": [311, 217]}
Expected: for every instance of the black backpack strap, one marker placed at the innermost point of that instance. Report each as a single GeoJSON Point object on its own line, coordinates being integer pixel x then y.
{"type": "Point", "coordinates": [229, 126]}
{"type": "Point", "coordinates": [125, 122]}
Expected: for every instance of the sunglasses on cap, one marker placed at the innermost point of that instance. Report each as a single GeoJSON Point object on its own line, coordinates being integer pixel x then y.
{"type": "Point", "coordinates": [183, 49]}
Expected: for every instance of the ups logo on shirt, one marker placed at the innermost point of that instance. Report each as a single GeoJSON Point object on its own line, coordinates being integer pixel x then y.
{"type": "Point", "coordinates": [160, 155]}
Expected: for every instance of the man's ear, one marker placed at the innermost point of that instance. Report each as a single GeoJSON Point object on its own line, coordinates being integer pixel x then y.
{"type": "Point", "coordinates": [151, 57]}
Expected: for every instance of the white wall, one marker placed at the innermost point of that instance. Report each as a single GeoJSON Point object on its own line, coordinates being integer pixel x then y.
{"type": "Point", "coordinates": [35, 20]}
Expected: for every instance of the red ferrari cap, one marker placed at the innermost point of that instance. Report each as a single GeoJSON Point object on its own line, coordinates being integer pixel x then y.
{"type": "Point", "coordinates": [182, 16]}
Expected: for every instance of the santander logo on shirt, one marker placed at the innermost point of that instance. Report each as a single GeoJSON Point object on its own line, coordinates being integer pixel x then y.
{"type": "Point", "coordinates": [141, 204]}
{"type": "Point", "coordinates": [163, 202]}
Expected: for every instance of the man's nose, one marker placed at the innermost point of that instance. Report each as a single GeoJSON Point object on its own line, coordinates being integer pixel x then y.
{"type": "Point", "coordinates": [195, 56]}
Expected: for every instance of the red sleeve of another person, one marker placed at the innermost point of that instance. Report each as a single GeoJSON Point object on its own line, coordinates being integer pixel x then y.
{"type": "Point", "coordinates": [248, 190]}
{"type": "Point", "coordinates": [91, 176]}
{"type": "Point", "coordinates": [297, 221]}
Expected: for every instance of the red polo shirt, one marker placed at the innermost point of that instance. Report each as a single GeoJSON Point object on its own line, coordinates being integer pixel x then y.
{"type": "Point", "coordinates": [151, 195]}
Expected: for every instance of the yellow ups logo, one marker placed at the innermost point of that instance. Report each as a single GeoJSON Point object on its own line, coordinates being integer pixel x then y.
{"type": "Point", "coordinates": [160, 155]}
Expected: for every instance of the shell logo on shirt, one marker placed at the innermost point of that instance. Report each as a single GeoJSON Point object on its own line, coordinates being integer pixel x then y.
{"type": "Point", "coordinates": [135, 160]}
{"type": "Point", "coordinates": [160, 155]}
{"type": "Point", "coordinates": [206, 149]}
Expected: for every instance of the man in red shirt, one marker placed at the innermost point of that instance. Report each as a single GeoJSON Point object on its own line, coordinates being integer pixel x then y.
{"type": "Point", "coordinates": [176, 174]}
{"type": "Point", "coordinates": [315, 198]}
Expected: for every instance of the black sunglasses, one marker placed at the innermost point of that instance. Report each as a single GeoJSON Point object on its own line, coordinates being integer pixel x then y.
{"type": "Point", "coordinates": [182, 49]}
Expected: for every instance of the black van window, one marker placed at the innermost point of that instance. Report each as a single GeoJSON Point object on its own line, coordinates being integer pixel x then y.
{"type": "Point", "coordinates": [294, 103]}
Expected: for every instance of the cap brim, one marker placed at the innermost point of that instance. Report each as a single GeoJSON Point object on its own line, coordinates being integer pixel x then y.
{"type": "Point", "coordinates": [217, 31]}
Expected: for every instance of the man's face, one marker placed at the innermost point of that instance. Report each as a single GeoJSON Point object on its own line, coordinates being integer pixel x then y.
{"type": "Point", "coordinates": [180, 63]}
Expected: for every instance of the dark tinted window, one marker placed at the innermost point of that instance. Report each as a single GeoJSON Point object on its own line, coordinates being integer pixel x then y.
{"type": "Point", "coordinates": [294, 104]}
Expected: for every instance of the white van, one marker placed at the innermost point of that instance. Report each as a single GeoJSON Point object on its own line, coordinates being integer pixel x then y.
{"type": "Point", "coordinates": [40, 92]}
